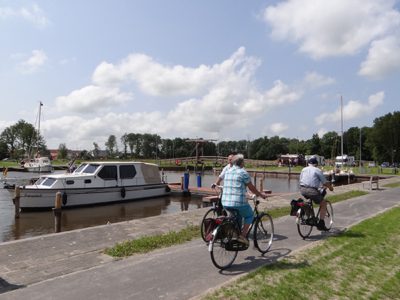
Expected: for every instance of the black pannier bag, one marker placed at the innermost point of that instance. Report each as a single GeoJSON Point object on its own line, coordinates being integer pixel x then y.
{"type": "Point", "coordinates": [295, 205]}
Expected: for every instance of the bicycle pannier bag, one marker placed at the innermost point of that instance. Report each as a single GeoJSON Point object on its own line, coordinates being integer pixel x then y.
{"type": "Point", "coordinates": [295, 205]}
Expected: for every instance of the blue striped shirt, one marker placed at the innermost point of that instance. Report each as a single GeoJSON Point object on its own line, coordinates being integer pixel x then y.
{"type": "Point", "coordinates": [235, 187]}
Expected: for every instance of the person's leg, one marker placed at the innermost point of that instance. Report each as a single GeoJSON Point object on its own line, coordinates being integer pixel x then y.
{"type": "Point", "coordinates": [247, 213]}
{"type": "Point", "coordinates": [322, 212]}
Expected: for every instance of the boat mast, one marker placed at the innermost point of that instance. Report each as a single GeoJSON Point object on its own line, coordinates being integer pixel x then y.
{"type": "Point", "coordinates": [341, 119]}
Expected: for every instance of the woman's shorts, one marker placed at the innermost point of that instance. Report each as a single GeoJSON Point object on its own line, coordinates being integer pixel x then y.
{"type": "Point", "coordinates": [245, 211]}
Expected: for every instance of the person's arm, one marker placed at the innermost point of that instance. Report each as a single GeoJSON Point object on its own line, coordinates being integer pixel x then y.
{"type": "Point", "coordinates": [254, 190]}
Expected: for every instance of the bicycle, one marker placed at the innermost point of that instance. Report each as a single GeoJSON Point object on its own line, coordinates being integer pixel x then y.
{"type": "Point", "coordinates": [209, 220]}
{"type": "Point", "coordinates": [306, 218]}
{"type": "Point", "coordinates": [224, 245]}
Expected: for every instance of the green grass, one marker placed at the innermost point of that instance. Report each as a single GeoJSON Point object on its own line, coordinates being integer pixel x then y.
{"type": "Point", "coordinates": [149, 243]}
{"type": "Point", "coordinates": [362, 263]}
{"type": "Point", "coordinates": [392, 185]}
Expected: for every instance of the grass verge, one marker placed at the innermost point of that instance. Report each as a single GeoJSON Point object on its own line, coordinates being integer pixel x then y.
{"type": "Point", "coordinates": [149, 243]}
{"type": "Point", "coordinates": [362, 263]}
{"type": "Point", "coordinates": [392, 185]}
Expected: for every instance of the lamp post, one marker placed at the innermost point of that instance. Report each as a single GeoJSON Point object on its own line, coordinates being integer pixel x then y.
{"type": "Point", "coordinates": [360, 152]}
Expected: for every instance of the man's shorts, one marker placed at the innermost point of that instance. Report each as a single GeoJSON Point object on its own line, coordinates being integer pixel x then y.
{"type": "Point", "coordinates": [312, 193]}
{"type": "Point", "coordinates": [245, 211]}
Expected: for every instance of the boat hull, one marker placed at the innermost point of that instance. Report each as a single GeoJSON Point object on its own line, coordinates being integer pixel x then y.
{"type": "Point", "coordinates": [34, 198]}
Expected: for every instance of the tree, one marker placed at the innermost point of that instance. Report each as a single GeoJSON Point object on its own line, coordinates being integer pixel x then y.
{"type": "Point", "coordinates": [22, 139]}
{"type": "Point", "coordinates": [384, 138]}
{"type": "Point", "coordinates": [111, 145]}
{"type": "Point", "coordinates": [62, 151]}
{"type": "Point", "coordinates": [96, 150]}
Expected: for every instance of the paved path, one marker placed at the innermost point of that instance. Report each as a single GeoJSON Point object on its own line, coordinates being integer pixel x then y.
{"type": "Point", "coordinates": [71, 265]}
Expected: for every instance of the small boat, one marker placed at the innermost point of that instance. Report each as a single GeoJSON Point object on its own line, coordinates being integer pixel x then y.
{"type": "Point", "coordinates": [95, 183]}
{"type": "Point", "coordinates": [339, 176]}
{"type": "Point", "coordinates": [39, 165]}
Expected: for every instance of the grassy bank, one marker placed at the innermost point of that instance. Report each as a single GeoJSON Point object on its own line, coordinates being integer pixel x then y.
{"type": "Point", "coordinates": [149, 243]}
{"type": "Point", "coordinates": [362, 263]}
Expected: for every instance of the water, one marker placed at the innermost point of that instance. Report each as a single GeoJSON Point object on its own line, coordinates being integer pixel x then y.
{"type": "Point", "coordinates": [37, 223]}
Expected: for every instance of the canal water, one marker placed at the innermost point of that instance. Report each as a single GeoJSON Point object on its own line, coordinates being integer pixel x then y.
{"type": "Point", "coordinates": [37, 223]}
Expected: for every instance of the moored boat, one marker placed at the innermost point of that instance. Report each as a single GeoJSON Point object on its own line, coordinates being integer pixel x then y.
{"type": "Point", "coordinates": [95, 183]}
{"type": "Point", "coordinates": [39, 165]}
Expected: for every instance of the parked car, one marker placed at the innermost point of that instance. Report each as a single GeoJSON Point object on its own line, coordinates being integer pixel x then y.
{"type": "Point", "coordinates": [385, 164]}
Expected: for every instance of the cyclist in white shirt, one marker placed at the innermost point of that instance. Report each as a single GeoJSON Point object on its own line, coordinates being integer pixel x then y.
{"type": "Point", "coordinates": [312, 186]}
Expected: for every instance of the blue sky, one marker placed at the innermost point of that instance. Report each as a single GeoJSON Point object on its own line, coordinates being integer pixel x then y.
{"type": "Point", "coordinates": [225, 70]}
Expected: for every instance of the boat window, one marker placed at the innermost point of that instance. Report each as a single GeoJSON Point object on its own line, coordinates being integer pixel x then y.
{"type": "Point", "coordinates": [80, 168]}
{"type": "Point", "coordinates": [48, 181]}
{"type": "Point", "coordinates": [40, 180]}
{"type": "Point", "coordinates": [70, 182]}
{"type": "Point", "coordinates": [88, 181]}
{"type": "Point", "coordinates": [108, 173]}
{"type": "Point", "coordinates": [126, 172]}
{"type": "Point", "coordinates": [90, 169]}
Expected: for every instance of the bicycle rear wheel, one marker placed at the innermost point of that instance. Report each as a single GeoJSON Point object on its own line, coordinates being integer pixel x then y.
{"type": "Point", "coordinates": [303, 226]}
{"type": "Point", "coordinates": [211, 213]}
{"type": "Point", "coordinates": [221, 254]}
{"type": "Point", "coordinates": [263, 232]}
{"type": "Point", "coordinates": [329, 215]}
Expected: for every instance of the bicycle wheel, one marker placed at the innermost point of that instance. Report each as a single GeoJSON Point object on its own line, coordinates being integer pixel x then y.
{"type": "Point", "coordinates": [329, 215]}
{"type": "Point", "coordinates": [211, 213]}
{"type": "Point", "coordinates": [221, 256]}
{"type": "Point", "coordinates": [263, 232]}
{"type": "Point", "coordinates": [303, 227]}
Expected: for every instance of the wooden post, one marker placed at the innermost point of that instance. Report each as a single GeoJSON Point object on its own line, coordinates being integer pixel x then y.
{"type": "Point", "coordinates": [57, 212]}
{"type": "Point", "coordinates": [17, 195]}
{"type": "Point", "coordinates": [261, 184]}
{"type": "Point", "coordinates": [255, 179]}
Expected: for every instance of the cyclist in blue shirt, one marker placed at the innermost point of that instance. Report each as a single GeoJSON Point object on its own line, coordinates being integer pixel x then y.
{"type": "Point", "coordinates": [236, 182]}
{"type": "Point", "coordinates": [312, 185]}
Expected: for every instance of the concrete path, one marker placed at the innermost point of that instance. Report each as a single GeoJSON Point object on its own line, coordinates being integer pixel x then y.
{"type": "Point", "coordinates": [71, 265]}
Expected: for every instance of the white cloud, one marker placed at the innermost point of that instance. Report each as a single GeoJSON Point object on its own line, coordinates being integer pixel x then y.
{"type": "Point", "coordinates": [383, 58]}
{"type": "Point", "coordinates": [218, 99]}
{"type": "Point", "coordinates": [278, 128]}
{"type": "Point", "coordinates": [331, 28]}
{"type": "Point", "coordinates": [32, 64]}
{"type": "Point", "coordinates": [91, 99]}
{"type": "Point", "coordinates": [314, 80]}
{"type": "Point", "coordinates": [33, 14]}
{"type": "Point", "coordinates": [352, 110]}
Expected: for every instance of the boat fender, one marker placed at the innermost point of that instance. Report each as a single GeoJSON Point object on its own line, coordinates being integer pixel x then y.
{"type": "Point", "coordinates": [167, 189]}
{"type": "Point", "coordinates": [64, 198]}
{"type": "Point", "coordinates": [123, 192]}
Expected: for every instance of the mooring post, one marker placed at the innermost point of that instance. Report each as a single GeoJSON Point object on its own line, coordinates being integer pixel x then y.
{"type": "Point", "coordinates": [255, 178]}
{"type": "Point", "coordinates": [17, 195]}
{"type": "Point", "coordinates": [261, 184]}
{"type": "Point", "coordinates": [57, 212]}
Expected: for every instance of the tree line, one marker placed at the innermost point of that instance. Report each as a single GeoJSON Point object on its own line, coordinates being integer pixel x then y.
{"type": "Point", "coordinates": [377, 143]}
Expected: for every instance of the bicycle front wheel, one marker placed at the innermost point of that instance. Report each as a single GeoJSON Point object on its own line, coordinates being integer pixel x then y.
{"type": "Point", "coordinates": [212, 213]}
{"type": "Point", "coordinates": [221, 253]}
{"type": "Point", "coordinates": [263, 232]}
{"type": "Point", "coordinates": [303, 226]}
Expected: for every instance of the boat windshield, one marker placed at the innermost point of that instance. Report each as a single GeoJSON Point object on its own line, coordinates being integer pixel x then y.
{"type": "Point", "coordinates": [46, 181]}
{"type": "Point", "coordinates": [87, 168]}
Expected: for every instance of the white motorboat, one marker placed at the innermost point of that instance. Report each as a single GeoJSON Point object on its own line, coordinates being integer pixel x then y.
{"type": "Point", "coordinates": [95, 183]}
{"type": "Point", "coordinates": [40, 165]}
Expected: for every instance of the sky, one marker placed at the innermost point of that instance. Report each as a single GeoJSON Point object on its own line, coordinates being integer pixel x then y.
{"type": "Point", "coordinates": [222, 70]}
